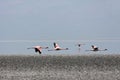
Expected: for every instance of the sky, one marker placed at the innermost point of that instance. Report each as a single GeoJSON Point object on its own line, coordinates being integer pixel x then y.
{"type": "Point", "coordinates": [59, 19]}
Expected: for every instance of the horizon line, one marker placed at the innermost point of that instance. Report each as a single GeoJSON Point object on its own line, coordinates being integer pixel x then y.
{"type": "Point", "coordinates": [82, 40]}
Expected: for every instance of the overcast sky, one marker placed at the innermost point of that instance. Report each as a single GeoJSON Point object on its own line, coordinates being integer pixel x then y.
{"type": "Point", "coordinates": [59, 19]}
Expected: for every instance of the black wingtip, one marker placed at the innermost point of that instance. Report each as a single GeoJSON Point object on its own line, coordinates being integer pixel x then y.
{"type": "Point", "coordinates": [67, 48]}
{"type": "Point", "coordinates": [106, 49]}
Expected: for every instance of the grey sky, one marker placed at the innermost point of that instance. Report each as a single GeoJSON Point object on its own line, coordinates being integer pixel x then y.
{"type": "Point", "coordinates": [59, 19]}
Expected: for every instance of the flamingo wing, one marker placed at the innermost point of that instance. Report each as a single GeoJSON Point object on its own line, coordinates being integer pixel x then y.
{"type": "Point", "coordinates": [56, 45]}
{"type": "Point", "coordinates": [38, 49]}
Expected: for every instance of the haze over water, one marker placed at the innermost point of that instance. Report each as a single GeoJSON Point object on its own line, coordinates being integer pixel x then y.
{"type": "Point", "coordinates": [19, 47]}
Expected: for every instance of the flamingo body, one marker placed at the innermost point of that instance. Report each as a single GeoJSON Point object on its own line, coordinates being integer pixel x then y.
{"type": "Point", "coordinates": [57, 47]}
{"type": "Point", "coordinates": [95, 48]}
{"type": "Point", "coordinates": [38, 48]}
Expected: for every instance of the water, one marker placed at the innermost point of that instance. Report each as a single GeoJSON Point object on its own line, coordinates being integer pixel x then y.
{"type": "Point", "coordinates": [27, 65]}
{"type": "Point", "coordinates": [92, 67]}
{"type": "Point", "coordinates": [20, 47]}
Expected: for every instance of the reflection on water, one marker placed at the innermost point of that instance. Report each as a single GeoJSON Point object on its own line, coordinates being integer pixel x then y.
{"type": "Point", "coordinates": [20, 47]}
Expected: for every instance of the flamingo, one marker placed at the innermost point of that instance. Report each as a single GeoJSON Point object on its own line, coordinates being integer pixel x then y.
{"type": "Point", "coordinates": [38, 48]}
{"type": "Point", "coordinates": [57, 47]}
{"type": "Point", "coordinates": [79, 46]}
{"type": "Point", "coordinates": [95, 48]}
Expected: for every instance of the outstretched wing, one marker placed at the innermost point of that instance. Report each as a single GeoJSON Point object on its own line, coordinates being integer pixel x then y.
{"type": "Point", "coordinates": [56, 45]}
{"type": "Point", "coordinates": [38, 48]}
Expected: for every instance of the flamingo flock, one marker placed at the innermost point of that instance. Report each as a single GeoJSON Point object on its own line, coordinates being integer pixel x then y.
{"type": "Point", "coordinates": [58, 48]}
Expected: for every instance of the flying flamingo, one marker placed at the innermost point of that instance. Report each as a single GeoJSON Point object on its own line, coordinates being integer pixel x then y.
{"type": "Point", "coordinates": [57, 47]}
{"type": "Point", "coordinates": [95, 48]}
{"type": "Point", "coordinates": [79, 46]}
{"type": "Point", "coordinates": [38, 48]}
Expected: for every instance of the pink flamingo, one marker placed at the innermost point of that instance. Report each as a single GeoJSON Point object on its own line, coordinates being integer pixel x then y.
{"type": "Point", "coordinates": [57, 47]}
{"type": "Point", "coordinates": [38, 48]}
{"type": "Point", "coordinates": [79, 46]}
{"type": "Point", "coordinates": [95, 48]}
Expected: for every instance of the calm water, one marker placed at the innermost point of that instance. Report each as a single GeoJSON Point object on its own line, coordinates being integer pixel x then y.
{"type": "Point", "coordinates": [105, 67]}
{"type": "Point", "coordinates": [20, 47]}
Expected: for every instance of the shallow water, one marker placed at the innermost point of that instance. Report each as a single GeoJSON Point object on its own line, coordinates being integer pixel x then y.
{"type": "Point", "coordinates": [84, 67]}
